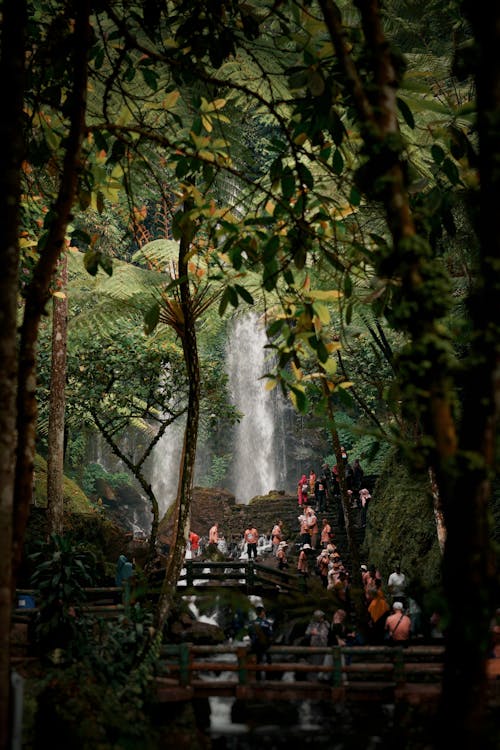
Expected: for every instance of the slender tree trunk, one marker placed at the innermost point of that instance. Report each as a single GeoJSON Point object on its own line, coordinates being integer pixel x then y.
{"type": "Point", "coordinates": [57, 405]}
{"type": "Point", "coordinates": [438, 512]}
{"type": "Point", "coordinates": [37, 293]}
{"type": "Point", "coordinates": [182, 513]}
{"type": "Point", "coordinates": [13, 28]}
{"type": "Point", "coordinates": [135, 469]}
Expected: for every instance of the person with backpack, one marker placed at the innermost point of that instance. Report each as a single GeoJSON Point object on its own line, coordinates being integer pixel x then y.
{"type": "Point", "coordinates": [398, 626]}
{"type": "Point", "coordinates": [261, 635]}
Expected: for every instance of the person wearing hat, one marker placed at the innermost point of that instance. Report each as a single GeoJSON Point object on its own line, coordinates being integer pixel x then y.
{"type": "Point", "coordinates": [303, 562]}
{"type": "Point", "coordinates": [281, 555]}
{"type": "Point", "coordinates": [322, 565]}
{"type": "Point", "coordinates": [398, 625]}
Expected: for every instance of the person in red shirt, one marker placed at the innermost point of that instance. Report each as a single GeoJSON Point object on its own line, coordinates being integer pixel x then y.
{"type": "Point", "coordinates": [194, 541]}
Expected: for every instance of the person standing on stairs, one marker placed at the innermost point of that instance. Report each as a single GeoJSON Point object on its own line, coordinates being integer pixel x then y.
{"type": "Point", "coordinates": [302, 491]}
{"type": "Point", "coordinates": [251, 537]}
{"type": "Point", "coordinates": [277, 535]}
{"type": "Point", "coordinates": [312, 524]}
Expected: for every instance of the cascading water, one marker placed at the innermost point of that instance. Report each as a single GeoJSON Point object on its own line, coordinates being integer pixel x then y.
{"type": "Point", "coordinates": [165, 466]}
{"type": "Point", "coordinates": [254, 466]}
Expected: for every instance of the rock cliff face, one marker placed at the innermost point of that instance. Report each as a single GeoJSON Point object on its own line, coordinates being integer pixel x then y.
{"type": "Point", "coordinates": [217, 505]}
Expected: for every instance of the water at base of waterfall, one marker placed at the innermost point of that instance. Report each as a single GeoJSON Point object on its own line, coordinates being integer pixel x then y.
{"type": "Point", "coordinates": [319, 725]}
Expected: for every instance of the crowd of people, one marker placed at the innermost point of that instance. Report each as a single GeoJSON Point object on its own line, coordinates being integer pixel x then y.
{"type": "Point", "coordinates": [391, 614]}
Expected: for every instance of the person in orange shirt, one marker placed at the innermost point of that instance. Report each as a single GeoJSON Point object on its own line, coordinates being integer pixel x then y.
{"type": "Point", "coordinates": [377, 610]}
{"type": "Point", "coordinates": [326, 533]}
{"type": "Point", "coordinates": [312, 485]}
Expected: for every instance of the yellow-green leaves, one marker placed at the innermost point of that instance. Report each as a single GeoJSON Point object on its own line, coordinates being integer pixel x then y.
{"type": "Point", "coordinates": [210, 111]}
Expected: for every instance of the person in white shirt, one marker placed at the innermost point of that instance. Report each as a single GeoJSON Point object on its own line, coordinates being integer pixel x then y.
{"type": "Point", "coordinates": [396, 583]}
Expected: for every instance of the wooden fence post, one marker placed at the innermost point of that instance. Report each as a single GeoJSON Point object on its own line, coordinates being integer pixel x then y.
{"type": "Point", "coordinates": [184, 664]}
{"type": "Point", "coordinates": [250, 575]}
{"type": "Point", "coordinates": [242, 654]}
{"type": "Point", "coordinates": [399, 666]}
{"type": "Point", "coordinates": [337, 666]}
{"type": "Point", "coordinates": [189, 573]}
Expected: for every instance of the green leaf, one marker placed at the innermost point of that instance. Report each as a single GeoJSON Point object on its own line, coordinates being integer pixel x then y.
{"type": "Point", "coordinates": [355, 197]}
{"type": "Point", "coordinates": [406, 112]}
{"type": "Point", "coordinates": [91, 262]}
{"type": "Point", "coordinates": [244, 293]}
{"type": "Point", "coordinates": [337, 161]}
{"type": "Point", "coordinates": [151, 318]}
{"type": "Point", "coordinates": [223, 302]}
{"type": "Point", "coordinates": [288, 183]}
{"type": "Point", "coordinates": [276, 170]}
{"type": "Point", "coordinates": [451, 171]}
{"type": "Point", "coordinates": [106, 263]}
{"type": "Point", "coordinates": [437, 153]}
{"type": "Point", "coordinates": [347, 286]}
{"type": "Point", "coordinates": [305, 176]}
{"type": "Point", "coordinates": [275, 327]}
{"type": "Point", "coordinates": [150, 78]}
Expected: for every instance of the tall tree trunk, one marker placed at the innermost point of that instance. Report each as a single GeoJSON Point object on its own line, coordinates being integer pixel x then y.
{"type": "Point", "coordinates": [13, 29]}
{"type": "Point", "coordinates": [37, 293]}
{"type": "Point", "coordinates": [469, 560]}
{"type": "Point", "coordinates": [182, 512]}
{"type": "Point", "coordinates": [57, 404]}
{"type": "Point", "coordinates": [462, 461]}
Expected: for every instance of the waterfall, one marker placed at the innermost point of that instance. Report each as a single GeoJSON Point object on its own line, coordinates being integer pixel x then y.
{"type": "Point", "coordinates": [254, 466]}
{"type": "Point", "coordinates": [165, 466]}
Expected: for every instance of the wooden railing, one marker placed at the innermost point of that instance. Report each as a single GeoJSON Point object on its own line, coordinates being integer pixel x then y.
{"type": "Point", "coordinates": [246, 573]}
{"type": "Point", "coordinates": [356, 672]}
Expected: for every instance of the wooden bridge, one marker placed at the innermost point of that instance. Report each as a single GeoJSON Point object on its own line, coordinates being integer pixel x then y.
{"type": "Point", "coordinates": [386, 674]}
{"type": "Point", "coordinates": [247, 575]}
{"type": "Point", "coordinates": [383, 674]}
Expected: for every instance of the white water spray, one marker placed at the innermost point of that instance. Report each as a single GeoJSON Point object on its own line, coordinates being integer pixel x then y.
{"type": "Point", "coordinates": [254, 470]}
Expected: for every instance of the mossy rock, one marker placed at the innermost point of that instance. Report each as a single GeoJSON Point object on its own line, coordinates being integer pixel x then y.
{"type": "Point", "coordinates": [75, 499]}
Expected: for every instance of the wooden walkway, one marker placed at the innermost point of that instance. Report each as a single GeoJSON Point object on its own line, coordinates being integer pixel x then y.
{"type": "Point", "coordinates": [247, 576]}
{"type": "Point", "coordinates": [383, 674]}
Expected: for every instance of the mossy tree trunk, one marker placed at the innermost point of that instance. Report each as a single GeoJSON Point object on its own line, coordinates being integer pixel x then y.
{"type": "Point", "coordinates": [12, 55]}
{"type": "Point", "coordinates": [57, 404]}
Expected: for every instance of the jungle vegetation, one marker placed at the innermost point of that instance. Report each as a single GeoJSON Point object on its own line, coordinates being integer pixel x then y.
{"type": "Point", "coordinates": [334, 165]}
